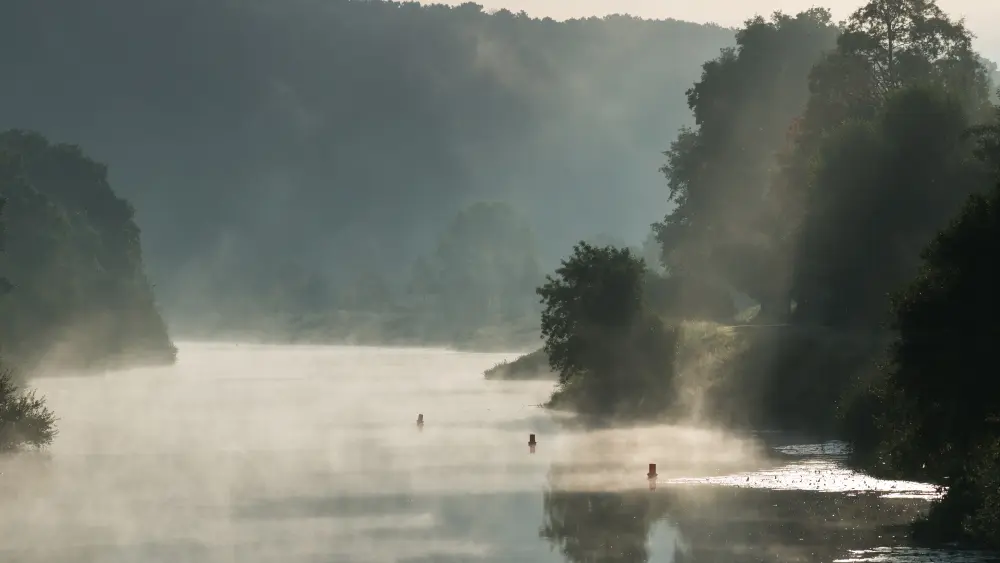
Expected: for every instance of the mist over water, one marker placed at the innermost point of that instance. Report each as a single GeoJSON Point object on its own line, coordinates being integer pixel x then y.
{"type": "Point", "coordinates": [267, 453]}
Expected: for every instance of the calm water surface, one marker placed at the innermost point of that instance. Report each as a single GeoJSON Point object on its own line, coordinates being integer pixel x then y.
{"type": "Point", "coordinates": [311, 454]}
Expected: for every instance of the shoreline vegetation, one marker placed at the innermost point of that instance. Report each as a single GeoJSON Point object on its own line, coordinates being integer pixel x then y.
{"type": "Point", "coordinates": [846, 180]}
{"type": "Point", "coordinates": [77, 296]}
{"type": "Point", "coordinates": [73, 289]}
{"type": "Point", "coordinates": [843, 179]}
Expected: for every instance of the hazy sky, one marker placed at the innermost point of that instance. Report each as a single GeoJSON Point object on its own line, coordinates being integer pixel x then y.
{"type": "Point", "coordinates": [982, 16]}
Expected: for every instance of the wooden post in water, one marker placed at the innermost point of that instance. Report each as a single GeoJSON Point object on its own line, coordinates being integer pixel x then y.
{"type": "Point", "coordinates": [652, 476]}
{"type": "Point", "coordinates": [531, 443]}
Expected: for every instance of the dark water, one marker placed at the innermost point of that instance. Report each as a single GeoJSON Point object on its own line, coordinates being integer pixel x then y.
{"type": "Point", "coordinates": [308, 454]}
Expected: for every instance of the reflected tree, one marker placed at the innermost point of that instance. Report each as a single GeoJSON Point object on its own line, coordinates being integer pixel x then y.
{"type": "Point", "coordinates": [598, 527]}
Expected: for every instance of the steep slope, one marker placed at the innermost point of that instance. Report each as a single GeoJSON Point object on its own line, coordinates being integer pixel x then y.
{"type": "Point", "coordinates": [79, 295]}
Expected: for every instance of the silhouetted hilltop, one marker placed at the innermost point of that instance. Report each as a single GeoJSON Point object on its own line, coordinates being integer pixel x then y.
{"type": "Point", "coordinates": [266, 140]}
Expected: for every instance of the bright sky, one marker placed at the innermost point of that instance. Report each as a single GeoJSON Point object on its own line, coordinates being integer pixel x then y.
{"type": "Point", "coordinates": [981, 16]}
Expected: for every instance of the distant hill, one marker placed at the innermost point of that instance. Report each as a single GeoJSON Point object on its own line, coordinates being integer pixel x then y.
{"type": "Point", "coordinates": [337, 138]}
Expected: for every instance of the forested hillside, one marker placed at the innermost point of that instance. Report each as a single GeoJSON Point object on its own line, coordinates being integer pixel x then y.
{"type": "Point", "coordinates": [265, 143]}
{"type": "Point", "coordinates": [76, 294]}
{"type": "Point", "coordinates": [844, 178]}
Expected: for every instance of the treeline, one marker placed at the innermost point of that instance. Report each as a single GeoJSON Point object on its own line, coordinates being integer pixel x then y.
{"type": "Point", "coordinates": [841, 177]}
{"type": "Point", "coordinates": [73, 292]}
{"type": "Point", "coordinates": [473, 288]}
{"type": "Point", "coordinates": [76, 296]}
{"type": "Point", "coordinates": [270, 146]}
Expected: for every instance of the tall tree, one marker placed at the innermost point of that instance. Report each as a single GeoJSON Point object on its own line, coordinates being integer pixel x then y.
{"type": "Point", "coordinates": [74, 255]}
{"type": "Point", "coordinates": [724, 227]}
{"type": "Point", "coordinates": [880, 189]}
{"type": "Point", "coordinates": [939, 410]}
{"type": "Point", "coordinates": [886, 45]}
{"type": "Point", "coordinates": [913, 41]}
{"type": "Point", "coordinates": [879, 148]}
{"type": "Point", "coordinates": [610, 352]}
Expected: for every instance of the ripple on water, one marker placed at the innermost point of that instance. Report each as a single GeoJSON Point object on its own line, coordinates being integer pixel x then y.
{"type": "Point", "coordinates": [820, 475]}
{"type": "Point", "coordinates": [916, 555]}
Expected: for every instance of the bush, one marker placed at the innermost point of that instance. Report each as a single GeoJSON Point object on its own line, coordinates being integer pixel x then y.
{"type": "Point", "coordinates": [25, 421]}
{"type": "Point", "coordinates": [614, 357]}
{"type": "Point", "coordinates": [970, 511]}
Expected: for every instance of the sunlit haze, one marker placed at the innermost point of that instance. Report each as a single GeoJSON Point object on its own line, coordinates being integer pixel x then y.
{"type": "Point", "coordinates": [489, 281]}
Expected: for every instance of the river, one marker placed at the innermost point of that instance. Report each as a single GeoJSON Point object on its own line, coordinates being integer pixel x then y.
{"type": "Point", "coordinates": [247, 453]}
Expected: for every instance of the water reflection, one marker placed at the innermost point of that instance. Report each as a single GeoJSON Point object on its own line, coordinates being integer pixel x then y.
{"type": "Point", "coordinates": [261, 454]}
{"type": "Point", "coordinates": [590, 527]}
{"type": "Point", "coordinates": [811, 509]}
{"type": "Point", "coordinates": [914, 555]}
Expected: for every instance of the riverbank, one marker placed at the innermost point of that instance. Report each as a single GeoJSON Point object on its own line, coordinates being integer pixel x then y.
{"type": "Point", "coordinates": [812, 380]}
{"type": "Point", "coordinates": [351, 328]}
{"type": "Point", "coordinates": [748, 376]}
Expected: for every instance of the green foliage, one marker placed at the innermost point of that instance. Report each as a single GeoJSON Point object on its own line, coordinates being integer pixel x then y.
{"type": "Point", "coordinates": [80, 296]}
{"type": "Point", "coordinates": [970, 510]}
{"type": "Point", "coordinates": [25, 421]}
{"type": "Point", "coordinates": [811, 183]}
{"type": "Point", "coordinates": [895, 179]}
{"type": "Point", "coordinates": [933, 414]}
{"type": "Point", "coordinates": [888, 45]}
{"type": "Point", "coordinates": [879, 147]}
{"type": "Point", "coordinates": [612, 355]}
{"type": "Point", "coordinates": [942, 319]}
{"type": "Point", "coordinates": [903, 42]}
{"type": "Point", "coordinates": [596, 293]}
{"type": "Point", "coordinates": [725, 227]}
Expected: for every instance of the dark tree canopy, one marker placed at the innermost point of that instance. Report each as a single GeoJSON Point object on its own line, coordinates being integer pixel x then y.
{"type": "Point", "coordinates": [595, 296]}
{"type": "Point", "coordinates": [79, 294]}
{"type": "Point", "coordinates": [612, 354]}
{"type": "Point", "coordinates": [816, 175]}
{"type": "Point", "coordinates": [25, 421]}
{"type": "Point", "coordinates": [780, 159]}
{"type": "Point", "coordinates": [914, 42]}
{"type": "Point", "coordinates": [936, 412]}
{"type": "Point", "coordinates": [725, 228]}
{"type": "Point", "coordinates": [888, 45]}
{"type": "Point", "coordinates": [896, 180]}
